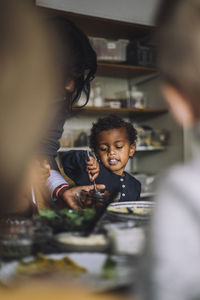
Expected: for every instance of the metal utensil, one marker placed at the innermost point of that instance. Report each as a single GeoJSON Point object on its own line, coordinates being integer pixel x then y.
{"type": "Point", "coordinates": [95, 187]}
{"type": "Point", "coordinates": [99, 213]}
{"type": "Point", "coordinates": [97, 192]}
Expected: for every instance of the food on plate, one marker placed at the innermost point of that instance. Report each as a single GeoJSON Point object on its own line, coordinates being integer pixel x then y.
{"type": "Point", "coordinates": [141, 211]}
{"type": "Point", "coordinates": [128, 210]}
{"type": "Point", "coordinates": [78, 216]}
{"type": "Point", "coordinates": [118, 209]}
{"type": "Point", "coordinates": [92, 240]}
{"type": "Point", "coordinates": [42, 264]}
{"type": "Point", "coordinates": [47, 213]}
{"type": "Point", "coordinates": [67, 219]}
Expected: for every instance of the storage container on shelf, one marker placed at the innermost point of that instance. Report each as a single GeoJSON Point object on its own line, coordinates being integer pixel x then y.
{"type": "Point", "coordinates": [140, 54]}
{"type": "Point", "coordinates": [110, 50]}
{"type": "Point", "coordinates": [137, 98]}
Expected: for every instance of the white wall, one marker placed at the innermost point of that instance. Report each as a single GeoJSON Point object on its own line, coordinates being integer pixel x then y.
{"type": "Point", "coordinates": [135, 11]}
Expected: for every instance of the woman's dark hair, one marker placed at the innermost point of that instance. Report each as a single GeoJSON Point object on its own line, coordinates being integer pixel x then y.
{"type": "Point", "coordinates": [111, 122]}
{"type": "Point", "coordinates": [76, 59]}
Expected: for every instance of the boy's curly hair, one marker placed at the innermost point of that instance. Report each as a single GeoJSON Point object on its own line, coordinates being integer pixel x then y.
{"type": "Point", "coordinates": [111, 122]}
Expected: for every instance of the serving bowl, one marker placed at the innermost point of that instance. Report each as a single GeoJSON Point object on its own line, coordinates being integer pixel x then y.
{"type": "Point", "coordinates": [75, 242]}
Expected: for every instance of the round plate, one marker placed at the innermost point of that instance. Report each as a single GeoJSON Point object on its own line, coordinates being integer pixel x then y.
{"type": "Point", "coordinates": [134, 210]}
{"type": "Point", "coordinates": [104, 272]}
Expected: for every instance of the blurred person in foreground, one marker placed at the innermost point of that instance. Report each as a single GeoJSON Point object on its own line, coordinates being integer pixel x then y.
{"type": "Point", "coordinates": [27, 88]}
{"type": "Point", "coordinates": [31, 77]}
{"type": "Point", "coordinates": [174, 251]}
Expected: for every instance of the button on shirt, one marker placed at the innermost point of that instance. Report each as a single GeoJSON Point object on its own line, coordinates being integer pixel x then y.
{"type": "Point", "coordinates": [75, 168]}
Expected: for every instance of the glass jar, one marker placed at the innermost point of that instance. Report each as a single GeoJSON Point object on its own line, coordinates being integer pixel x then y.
{"type": "Point", "coordinates": [15, 238]}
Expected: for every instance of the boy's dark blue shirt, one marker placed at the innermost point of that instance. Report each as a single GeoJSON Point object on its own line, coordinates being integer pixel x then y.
{"type": "Point", "coordinates": [74, 165]}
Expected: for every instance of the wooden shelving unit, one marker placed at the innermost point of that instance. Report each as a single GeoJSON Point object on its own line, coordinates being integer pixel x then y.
{"type": "Point", "coordinates": [123, 71]}
{"type": "Point", "coordinates": [110, 29]}
{"type": "Point", "coordinates": [102, 27]}
{"type": "Point", "coordinates": [125, 111]}
{"type": "Point", "coordinates": [114, 30]}
{"type": "Point", "coordinates": [138, 149]}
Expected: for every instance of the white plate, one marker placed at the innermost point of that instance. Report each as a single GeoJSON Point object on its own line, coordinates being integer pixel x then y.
{"type": "Point", "coordinates": [124, 271]}
{"type": "Point", "coordinates": [140, 210]}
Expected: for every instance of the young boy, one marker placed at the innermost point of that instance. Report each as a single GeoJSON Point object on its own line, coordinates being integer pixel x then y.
{"type": "Point", "coordinates": [113, 141]}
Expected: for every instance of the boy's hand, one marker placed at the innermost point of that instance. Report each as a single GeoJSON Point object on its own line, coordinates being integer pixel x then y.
{"type": "Point", "coordinates": [92, 167]}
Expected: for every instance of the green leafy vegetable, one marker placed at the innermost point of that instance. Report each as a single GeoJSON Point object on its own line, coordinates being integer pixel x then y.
{"type": "Point", "coordinates": [71, 220]}
{"type": "Point", "coordinates": [47, 213]}
{"type": "Point", "coordinates": [109, 268]}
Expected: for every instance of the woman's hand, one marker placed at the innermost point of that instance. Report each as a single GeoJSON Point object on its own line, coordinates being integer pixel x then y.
{"type": "Point", "coordinates": [72, 196]}
{"type": "Point", "coordinates": [92, 167]}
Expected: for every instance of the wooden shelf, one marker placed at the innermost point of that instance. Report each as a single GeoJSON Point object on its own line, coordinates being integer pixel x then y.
{"type": "Point", "coordinates": [150, 148]}
{"type": "Point", "coordinates": [123, 70]}
{"type": "Point", "coordinates": [125, 111]}
{"type": "Point", "coordinates": [102, 27]}
{"type": "Point", "coordinates": [138, 149]}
